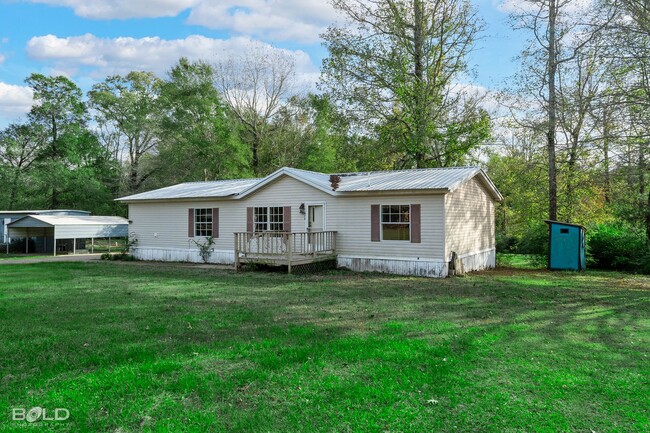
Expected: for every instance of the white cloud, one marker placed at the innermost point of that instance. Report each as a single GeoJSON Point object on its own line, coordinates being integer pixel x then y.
{"type": "Point", "coordinates": [123, 9]}
{"type": "Point", "coordinates": [277, 20]}
{"type": "Point", "coordinates": [297, 20]}
{"type": "Point", "coordinates": [2, 58]}
{"type": "Point", "coordinates": [101, 57]}
{"type": "Point", "coordinates": [15, 101]}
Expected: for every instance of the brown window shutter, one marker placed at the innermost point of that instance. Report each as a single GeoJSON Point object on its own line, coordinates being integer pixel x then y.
{"type": "Point", "coordinates": [415, 224]}
{"type": "Point", "coordinates": [249, 220]}
{"type": "Point", "coordinates": [374, 223]}
{"type": "Point", "coordinates": [190, 223]}
{"type": "Point", "coordinates": [286, 218]}
{"type": "Point", "coordinates": [215, 222]}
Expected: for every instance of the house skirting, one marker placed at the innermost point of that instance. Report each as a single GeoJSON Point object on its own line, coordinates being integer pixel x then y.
{"type": "Point", "coordinates": [391, 265]}
{"type": "Point", "coordinates": [478, 261]}
{"type": "Point", "coordinates": [223, 257]}
{"type": "Point", "coordinates": [401, 266]}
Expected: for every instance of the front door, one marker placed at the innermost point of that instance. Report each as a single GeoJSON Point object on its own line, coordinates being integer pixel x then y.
{"type": "Point", "coordinates": [315, 221]}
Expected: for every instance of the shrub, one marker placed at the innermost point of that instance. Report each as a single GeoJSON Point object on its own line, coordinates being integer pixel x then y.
{"type": "Point", "coordinates": [506, 244]}
{"type": "Point", "coordinates": [534, 240]}
{"type": "Point", "coordinates": [618, 246]}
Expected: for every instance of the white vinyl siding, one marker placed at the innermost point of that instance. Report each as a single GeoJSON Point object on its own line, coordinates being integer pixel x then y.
{"type": "Point", "coordinates": [469, 219]}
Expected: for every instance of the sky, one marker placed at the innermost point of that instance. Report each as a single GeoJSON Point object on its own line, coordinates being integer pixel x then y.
{"type": "Point", "coordinates": [88, 40]}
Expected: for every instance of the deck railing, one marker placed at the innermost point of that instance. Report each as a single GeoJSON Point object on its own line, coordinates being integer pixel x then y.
{"type": "Point", "coordinates": [283, 247]}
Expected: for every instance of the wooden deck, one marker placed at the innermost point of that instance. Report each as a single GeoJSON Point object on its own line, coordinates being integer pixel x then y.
{"type": "Point", "coordinates": [284, 248]}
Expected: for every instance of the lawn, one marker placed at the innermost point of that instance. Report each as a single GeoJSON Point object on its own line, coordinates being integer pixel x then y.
{"type": "Point", "coordinates": [142, 347]}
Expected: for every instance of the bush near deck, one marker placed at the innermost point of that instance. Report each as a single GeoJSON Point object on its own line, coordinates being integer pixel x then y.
{"type": "Point", "coordinates": [132, 347]}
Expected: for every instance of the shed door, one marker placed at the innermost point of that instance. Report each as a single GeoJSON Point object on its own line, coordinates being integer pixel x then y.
{"type": "Point", "coordinates": [565, 250]}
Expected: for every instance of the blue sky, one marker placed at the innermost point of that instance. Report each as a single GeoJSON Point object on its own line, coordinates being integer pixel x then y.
{"type": "Point", "coordinates": [90, 39]}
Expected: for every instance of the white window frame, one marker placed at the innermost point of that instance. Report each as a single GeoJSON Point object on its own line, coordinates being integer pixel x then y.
{"type": "Point", "coordinates": [382, 223]}
{"type": "Point", "coordinates": [207, 226]}
{"type": "Point", "coordinates": [268, 223]}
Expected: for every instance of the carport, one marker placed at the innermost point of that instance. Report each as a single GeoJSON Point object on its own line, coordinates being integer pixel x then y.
{"type": "Point", "coordinates": [65, 233]}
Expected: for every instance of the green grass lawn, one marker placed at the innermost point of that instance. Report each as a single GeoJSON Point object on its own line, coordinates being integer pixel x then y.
{"type": "Point", "coordinates": [145, 347]}
{"type": "Point", "coordinates": [4, 256]}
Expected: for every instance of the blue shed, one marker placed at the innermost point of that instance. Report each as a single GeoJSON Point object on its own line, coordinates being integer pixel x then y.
{"type": "Point", "coordinates": [566, 246]}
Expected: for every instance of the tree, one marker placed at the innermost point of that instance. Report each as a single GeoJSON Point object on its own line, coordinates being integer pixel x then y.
{"type": "Point", "coordinates": [130, 106]}
{"type": "Point", "coordinates": [558, 35]}
{"type": "Point", "coordinates": [255, 84]}
{"type": "Point", "coordinates": [394, 66]}
{"type": "Point", "coordinates": [70, 167]}
{"type": "Point", "coordinates": [19, 148]}
{"type": "Point", "coordinates": [199, 137]}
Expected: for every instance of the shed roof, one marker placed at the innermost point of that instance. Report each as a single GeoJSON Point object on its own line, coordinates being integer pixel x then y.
{"type": "Point", "coordinates": [70, 220]}
{"type": "Point", "coordinates": [428, 179]}
{"type": "Point", "coordinates": [550, 222]}
{"type": "Point", "coordinates": [45, 212]}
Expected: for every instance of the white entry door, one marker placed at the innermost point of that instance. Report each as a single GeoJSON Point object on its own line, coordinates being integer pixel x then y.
{"type": "Point", "coordinates": [315, 222]}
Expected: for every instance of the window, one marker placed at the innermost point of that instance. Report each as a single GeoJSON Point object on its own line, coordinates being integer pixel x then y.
{"type": "Point", "coordinates": [396, 222]}
{"type": "Point", "coordinates": [564, 231]}
{"type": "Point", "coordinates": [268, 219]}
{"type": "Point", "coordinates": [202, 222]}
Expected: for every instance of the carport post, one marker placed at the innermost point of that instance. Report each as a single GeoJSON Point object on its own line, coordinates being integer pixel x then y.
{"type": "Point", "coordinates": [74, 246]}
{"type": "Point", "coordinates": [54, 241]}
{"type": "Point", "coordinates": [109, 244]}
{"type": "Point", "coordinates": [27, 242]}
{"type": "Point", "coordinates": [92, 245]}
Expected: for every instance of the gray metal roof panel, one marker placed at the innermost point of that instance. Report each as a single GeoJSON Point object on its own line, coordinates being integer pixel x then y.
{"type": "Point", "coordinates": [425, 179]}
{"type": "Point", "coordinates": [218, 188]}
{"type": "Point", "coordinates": [68, 220]}
{"type": "Point", "coordinates": [442, 179]}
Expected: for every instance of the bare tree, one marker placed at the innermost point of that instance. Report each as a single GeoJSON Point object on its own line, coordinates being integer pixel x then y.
{"type": "Point", "coordinates": [559, 33]}
{"type": "Point", "coordinates": [255, 84]}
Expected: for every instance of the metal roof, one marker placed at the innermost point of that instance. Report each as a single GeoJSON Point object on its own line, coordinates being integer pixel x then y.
{"type": "Point", "coordinates": [45, 212]}
{"type": "Point", "coordinates": [432, 179]}
{"type": "Point", "coordinates": [72, 220]}
{"type": "Point", "coordinates": [219, 188]}
{"type": "Point", "coordinates": [426, 178]}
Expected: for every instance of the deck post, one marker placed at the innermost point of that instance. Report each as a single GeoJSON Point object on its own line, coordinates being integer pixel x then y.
{"type": "Point", "coordinates": [289, 252]}
{"type": "Point", "coordinates": [236, 238]}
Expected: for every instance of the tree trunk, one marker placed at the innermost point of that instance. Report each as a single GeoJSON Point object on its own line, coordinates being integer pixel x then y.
{"type": "Point", "coordinates": [418, 43]}
{"type": "Point", "coordinates": [552, 116]}
{"type": "Point", "coordinates": [608, 182]}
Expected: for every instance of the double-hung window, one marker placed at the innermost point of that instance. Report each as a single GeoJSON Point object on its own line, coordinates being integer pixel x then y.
{"type": "Point", "coordinates": [203, 222]}
{"type": "Point", "coordinates": [268, 219]}
{"type": "Point", "coordinates": [396, 222]}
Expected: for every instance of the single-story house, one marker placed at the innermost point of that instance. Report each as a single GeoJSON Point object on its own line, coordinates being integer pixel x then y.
{"type": "Point", "coordinates": [57, 234]}
{"type": "Point", "coordinates": [407, 222]}
{"type": "Point", "coordinates": [7, 216]}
